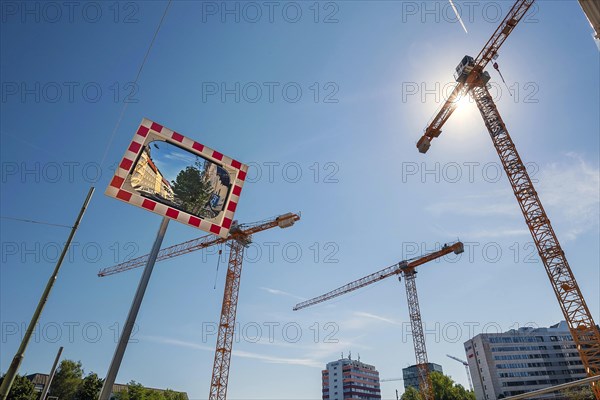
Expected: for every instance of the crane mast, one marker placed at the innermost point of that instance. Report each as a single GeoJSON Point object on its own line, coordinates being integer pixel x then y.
{"type": "Point", "coordinates": [416, 326]}
{"type": "Point", "coordinates": [577, 314]}
{"type": "Point", "coordinates": [220, 373]}
{"type": "Point", "coordinates": [473, 79]}
{"type": "Point", "coordinates": [240, 239]}
{"type": "Point", "coordinates": [406, 268]}
{"type": "Point", "coordinates": [240, 236]}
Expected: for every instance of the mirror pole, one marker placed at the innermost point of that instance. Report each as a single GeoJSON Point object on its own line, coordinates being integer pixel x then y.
{"type": "Point", "coordinates": [111, 375]}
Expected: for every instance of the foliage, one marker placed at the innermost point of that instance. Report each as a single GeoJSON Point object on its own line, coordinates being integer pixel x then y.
{"type": "Point", "coordinates": [578, 393]}
{"type": "Point", "coordinates": [69, 384]}
{"type": "Point", "coordinates": [192, 190]}
{"type": "Point", "coordinates": [172, 395]}
{"type": "Point", "coordinates": [22, 389]}
{"type": "Point", "coordinates": [135, 391]}
{"type": "Point", "coordinates": [444, 388]}
{"type": "Point", "coordinates": [90, 387]}
{"type": "Point", "coordinates": [411, 394]}
{"type": "Point", "coordinates": [69, 376]}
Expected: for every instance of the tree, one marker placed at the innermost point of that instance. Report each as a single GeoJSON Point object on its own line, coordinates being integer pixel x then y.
{"type": "Point", "coordinates": [90, 387]}
{"type": "Point", "coordinates": [172, 395]}
{"type": "Point", "coordinates": [444, 388]}
{"type": "Point", "coordinates": [411, 394]}
{"type": "Point", "coordinates": [192, 190]}
{"type": "Point", "coordinates": [69, 376]}
{"type": "Point", "coordinates": [135, 391]}
{"type": "Point", "coordinates": [22, 389]}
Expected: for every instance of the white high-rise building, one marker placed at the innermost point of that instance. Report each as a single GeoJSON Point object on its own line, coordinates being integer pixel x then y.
{"type": "Point", "coordinates": [523, 360]}
{"type": "Point", "coordinates": [350, 379]}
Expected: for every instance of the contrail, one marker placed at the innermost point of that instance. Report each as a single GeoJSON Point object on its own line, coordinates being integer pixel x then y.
{"type": "Point", "coordinates": [458, 16]}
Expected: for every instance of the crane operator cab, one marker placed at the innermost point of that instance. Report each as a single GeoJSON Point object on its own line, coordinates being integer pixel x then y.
{"type": "Point", "coordinates": [464, 68]}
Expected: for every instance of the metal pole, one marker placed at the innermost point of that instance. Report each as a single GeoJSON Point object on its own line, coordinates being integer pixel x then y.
{"type": "Point", "coordinates": [52, 372]}
{"type": "Point", "coordinates": [111, 375]}
{"type": "Point", "coordinates": [11, 373]}
{"type": "Point", "coordinates": [554, 388]}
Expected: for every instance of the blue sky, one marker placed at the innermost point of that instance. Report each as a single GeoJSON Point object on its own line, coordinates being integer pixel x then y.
{"type": "Point", "coordinates": [171, 159]}
{"type": "Point", "coordinates": [332, 134]}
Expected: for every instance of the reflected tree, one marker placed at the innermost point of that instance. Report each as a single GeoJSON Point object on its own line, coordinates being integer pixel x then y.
{"type": "Point", "coordinates": [193, 190]}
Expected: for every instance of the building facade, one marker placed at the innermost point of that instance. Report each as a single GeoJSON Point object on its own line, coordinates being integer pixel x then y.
{"type": "Point", "coordinates": [147, 178]}
{"type": "Point", "coordinates": [519, 361]}
{"type": "Point", "coordinates": [410, 375]}
{"type": "Point", "coordinates": [350, 379]}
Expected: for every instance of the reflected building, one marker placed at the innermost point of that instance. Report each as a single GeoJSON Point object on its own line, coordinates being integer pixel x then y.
{"type": "Point", "coordinates": [220, 182]}
{"type": "Point", "coordinates": [147, 178]}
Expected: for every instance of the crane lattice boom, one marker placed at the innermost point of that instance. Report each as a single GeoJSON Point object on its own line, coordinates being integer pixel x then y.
{"type": "Point", "coordinates": [202, 243]}
{"type": "Point", "coordinates": [457, 359]}
{"type": "Point", "coordinates": [393, 270]}
{"type": "Point", "coordinates": [489, 51]}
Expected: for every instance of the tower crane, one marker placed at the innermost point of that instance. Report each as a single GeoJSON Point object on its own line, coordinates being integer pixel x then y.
{"type": "Point", "coordinates": [472, 79]}
{"type": "Point", "coordinates": [404, 268]}
{"type": "Point", "coordinates": [240, 236]}
{"type": "Point", "coordinates": [466, 364]}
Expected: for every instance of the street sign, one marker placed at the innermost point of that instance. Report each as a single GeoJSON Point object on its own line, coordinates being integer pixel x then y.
{"type": "Point", "coordinates": [174, 176]}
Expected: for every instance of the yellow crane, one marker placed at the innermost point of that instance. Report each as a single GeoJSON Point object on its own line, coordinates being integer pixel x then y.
{"type": "Point", "coordinates": [406, 268]}
{"type": "Point", "coordinates": [472, 79]}
{"type": "Point", "coordinates": [240, 236]}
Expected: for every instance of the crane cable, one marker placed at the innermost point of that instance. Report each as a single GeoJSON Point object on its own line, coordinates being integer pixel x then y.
{"type": "Point", "coordinates": [497, 68]}
{"type": "Point", "coordinates": [31, 221]}
{"type": "Point", "coordinates": [218, 263]}
{"type": "Point", "coordinates": [125, 103]}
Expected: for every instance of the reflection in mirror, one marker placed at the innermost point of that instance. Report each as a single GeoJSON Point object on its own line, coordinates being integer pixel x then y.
{"type": "Point", "coordinates": [182, 180]}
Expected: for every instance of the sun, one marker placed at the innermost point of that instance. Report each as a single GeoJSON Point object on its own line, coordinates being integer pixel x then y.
{"type": "Point", "coordinates": [464, 107]}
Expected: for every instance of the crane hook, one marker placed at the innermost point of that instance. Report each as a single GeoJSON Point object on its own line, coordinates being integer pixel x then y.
{"type": "Point", "coordinates": [497, 68]}
{"type": "Point", "coordinates": [217, 271]}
